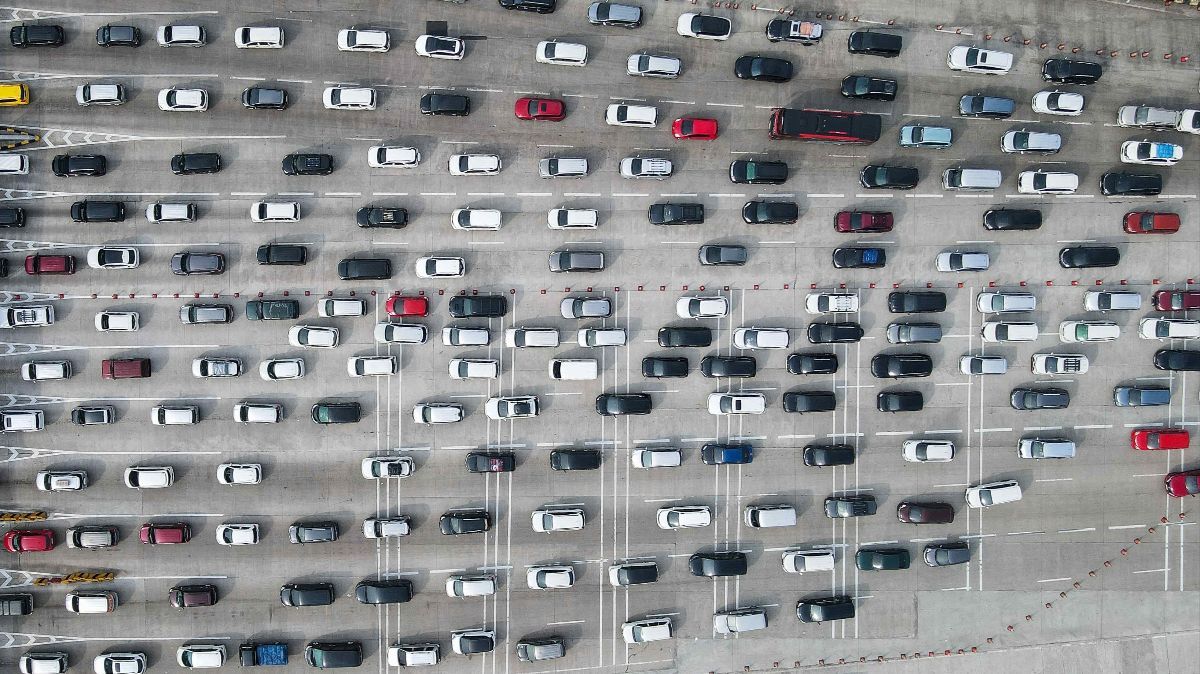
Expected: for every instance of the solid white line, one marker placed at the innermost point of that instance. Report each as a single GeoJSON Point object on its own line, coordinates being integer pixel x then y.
{"type": "Point", "coordinates": [1076, 531]}
{"type": "Point", "coordinates": [1126, 526]}
{"type": "Point", "coordinates": [566, 622]}
{"type": "Point", "coordinates": [1056, 479]}
{"type": "Point", "coordinates": [1051, 580]}
{"type": "Point", "coordinates": [343, 194]}
{"type": "Point", "coordinates": [993, 430]}
{"type": "Point", "coordinates": [1025, 533]}
{"type": "Point", "coordinates": [1153, 570]}
{"type": "Point", "coordinates": [956, 484]}
{"type": "Point", "coordinates": [946, 430]}
{"type": "Point", "coordinates": [826, 196]}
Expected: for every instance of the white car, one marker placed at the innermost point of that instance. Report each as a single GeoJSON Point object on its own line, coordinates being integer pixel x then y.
{"type": "Point", "coordinates": [1088, 331]}
{"type": "Point", "coordinates": [116, 257]}
{"type": "Point", "coordinates": [61, 480]}
{"type": "Point", "coordinates": [511, 407]}
{"type": "Point", "coordinates": [372, 366]}
{"type": "Point", "coordinates": [385, 527]}
{"type": "Point", "coordinates": [275, 211]}
{"type": "Point", "coordinates": [761, 338]}
{"type": "Point", "coordinates": [171, 212]}
{"type": "Point", "coordinates": [703, 26]}
{"type": "Point", "coordinates": [683, 517]}
{"type": "Point", "coordinates": [1189, 121]}
{"type": "Point", "coordinates": [571, 218]}
{"type": "Point", "coordinates": [546, 520]}
{"type": "Point", "coordinates": [1000, 302]}
{"type": "Point", "coordinates": [1047, 182]}
{"type": "Point", "coordinates": [438, 413]}
{"type": "Point", "coordinates": [993, 493]}
{"type": "Point", "coordinates": [216, 367]}
{"type": "Point", "coordinates": [1059, 363]}
{"type": "Point", "coordinates": [46, 370]}
{"type": "Point", "coordinates": [99, 94]}
{"type": "Point", "coordinates": [257, 413]}
{"type": "Point", "coordinates": [470, 219]}
{"type": "Point", "coordinates": [258, 37]}
{"type": "Point", "coordinates": [331, 307]}
{"type": "Point", "coordinates": [736, 403]}
{"type": "Point", "coordinates": [363, 39]}
{"type": "Point", "coordinates": [696, 306]}
{"type": "Point", "coordinates": [656, 457]}
{"type": "Point", "coordinates": [388, 156]}
{"type": "Point", "coordinates": [1109, 300]}
{"type": "Point", "coordinates": [200, 656]}
{"type": "Point", "coordinates": [474, 368]}
{"type": "Point", "coordinates": [474, 164]}
{"type": "Point", "coordinates": [401, 333]}
{"type": "Point", "coordinates": [972, 261]}
{"type": "Point", "coordinates": [181, 36]}
{"type": "Point", "coordinates": [983, 365]}
{"type": "Point", "coordinates": [313, 336]}
{"type": "Point", "coordinates": [600, 337]}
{"type": "Point", "coordinates": [1009, 331]}
{"type": "Point", "coordinates": [1154, 154]}
{"type": "Point", "coordinates": [808, 561]}
{"type": "Point", "coordinates": [976, 60]}
{"type": "Point", "coordinates": [550, 577]}
{"type": "Point", "coordinates": [277, 369]}
{"type": "Point", "coordinates": [558, 53]}
{"type": "Point", "coordinates": [928, 451]}
{"type": "Point", "coordinates": [1058, 103]}
{"type": "Point", "coordinates": [174, 415]}
{"type": "Point", "coordinates": [453, 336]}
{"type": "Point", "coordinates": [441, 47]}
{"type": "Point", "coordinates": [1023, 141]}
{"type": "Point", "coordinates": [1169, 328]}
{"type": "Point", "coordinates": [655, 168]}
{"type": "Point", "coordinates": [384, 467]}
{"type": "Point", "coordinates": [349, 98]}
{"type": "Point", "coordinates": [237, 534]}
{"type": "Point", "coordinates": [585, 307]}
{"type": "Point", "coordinates": [646, 630]}
{"type": "Point", "coordinates": [149, 477]}
{"type": "Point", "coordinates": [117, 321]}
{"type": "Point", "coordinates": [483, 585]}
{"type": "Point", "coordinates": [475, 635]}
{"type": "Point", "coordinates": [120, 663]}
{"type": "Point", "coordinates": [653, 65]}
{"type": "Point", "coordinates": [440, 267]}
{"type": "Point", "coordinates": [622, 114]}
{"type": "Point", "coordinates": [239, 473]}
{"type": "Point", "coordinates": [831, 303]}
{"type": "Point", "coordinates": [182, 100]}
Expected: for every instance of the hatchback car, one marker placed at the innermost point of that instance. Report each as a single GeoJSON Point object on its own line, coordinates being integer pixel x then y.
{"type": "Point", "coordinates": [183, 100]}
{"type": "Point", "coordinates": [694, 128]}
{"type": "Point", "coordinates": [899, 401]}
{"type": "Point", "coordinates": [946, 554]}
{"type": "Point", "coordinates": [441, 47]}
{"type": "Point", "coordinates": [722, 255]}
{"type": "Point", "coordinates": [181, 36]}
{"type": "Point", "coordinates": [325, 413]}
{"type": "Point", "coordinates": [540, 109]}
{"type": "Point", "coordinates": [189, 263]}
{"type": "Point", "coordinates": [927, 451]}
{"type": "Point", "coordinates": [313, 532]}
{"type": "Point", "coordinates": [1149, 222]}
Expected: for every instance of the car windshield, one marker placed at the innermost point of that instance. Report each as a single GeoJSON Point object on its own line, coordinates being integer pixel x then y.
{"type": "Point", "coordinates": [1191, 484]}
{"type": "Point", "coordinates": [685, 127]}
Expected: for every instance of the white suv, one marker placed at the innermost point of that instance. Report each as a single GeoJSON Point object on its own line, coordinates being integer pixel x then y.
{"type": "Point", "coordinates": [358, 39]}
{"type": "Point", "coordinates": [621, 114]}
{"type": "Point", "coordinates": [349, 98]}
{"type": "Point", "coordinates": [275, 211]}
{"type": "Point", "coordinates": [1047, 182]}
{"type": "Point", "coordinates": [387, 156]}
{"type": "Point", "coordinates": [831, 303]}
{"type": "Point", "coordinates": [258, 37]}
{"type": "Point", "coordinates": [474, 164]}
{"type": "Point", "coordinates": [646, 167]}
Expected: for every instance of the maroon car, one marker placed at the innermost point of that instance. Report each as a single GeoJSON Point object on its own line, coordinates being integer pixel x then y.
{"type": "Point", "coordinates": [913, 512]}
{"type": "Point", "coordinates": [1176, 300]}
{"type": "Point", "coordinates": [189, 596]}
{"type": "Point", "coordinates": [853, 222]}
{"type": "Point", "coordinates": [165, 534]}
{"type": "Point", "coordinates": [49, 264]}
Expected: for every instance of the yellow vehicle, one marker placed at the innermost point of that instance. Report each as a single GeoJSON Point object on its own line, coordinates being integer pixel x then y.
{"type": "Point", "coordinates": [13, 93]}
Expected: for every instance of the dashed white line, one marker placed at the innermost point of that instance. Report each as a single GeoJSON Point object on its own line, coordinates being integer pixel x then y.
{"type": "Point", "coordinates": [1076, 531]}
{"type": "Point", "coordinates": [725, 105]}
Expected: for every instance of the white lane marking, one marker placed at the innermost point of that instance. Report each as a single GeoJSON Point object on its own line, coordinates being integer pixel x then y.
{"type": "Point", "coordinates": [297, 81]}
{"type": "Point", "coordinates": [1162, 570]}
{"type": "Point", "coordinates": [1076, 531]}
{"type": "Point", "coordinates": [954, 484]}
{"type": "Point", "coordinates": [977, 535]}
{"type": "Point", "coordinates": [1052, 580]}
{"type": "Point", "coordinates": [438, 194]}
{"type": "Point", "coordinates": [343, 194]}
{"type": "Point", "coordinates": [725, 105]}
{"type": "Point", "coordinates": [993, 430]}
{"type": "Point", "coordinates": [1056, 479]}
{"type": "Point", "coordinates": [1086, 426]}
{"type": "Point", "coordinates": [1126, 526]}
{"type": "Point", "coordinates": [825, 196]}
{"type": "Point", "coordinates": [568, 622]}
{"type": "Point", "coordinates": [945, 431]}
{"type": "Point", "coordinates": [1025, 533]}
{"type": "Point", "coordinates": [447, 570]}
{"type": "Point", "coordinates": [533, 194]}
{"type": "Point", "coordinates": [879, 542]}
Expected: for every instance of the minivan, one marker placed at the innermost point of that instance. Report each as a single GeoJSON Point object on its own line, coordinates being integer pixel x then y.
{"type": "Point", "coordinates": [993, 493]}
{"type": "Point", "coordinates": [171, 212]}
{"type": "Point", "coordinates": [1046, 448]}
{"type": "Point", "coordinates": [563, 167]}
{"type": "Point", "coordinates": [80, 601]}
{"type": "Point", "coordinates": [574, 369]}
{"type": "Point", "coordinates": [651, 65]}
{"type": "Point", "coordinates": [125, 368]}
{"type": "Point", "coordinates": [98, 211]}
{"type": "Point", "coordinates": [530, 337]}
{"type": "Point", "coordinates": [614, 14]}
{"type": "Point", "coordinates": [970, 179]}
{"type": "Point", "coordinates": [766, 516]}
{"type": "Point", "coordinates": [13, 164]}
{"type": "Point", "coordinates": [886, 45]}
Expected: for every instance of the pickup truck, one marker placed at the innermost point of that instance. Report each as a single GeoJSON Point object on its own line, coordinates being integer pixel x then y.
{"type": "Point", "coordinates": [1059, 363]}
{"type": "Point", "coordinates": [255, 654]}
{"type": "Point", "coordinates": [26, 315]}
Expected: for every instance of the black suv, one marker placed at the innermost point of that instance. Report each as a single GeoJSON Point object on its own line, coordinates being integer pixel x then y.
{"type": "Point", "coordinates": [73, 165]}
{"type": "Point", "coordinates": [380, 216]}
{"type": "Point", "coordinates": [770, 212]}
{"type": "Point", "coordinates": [886, 45]}
{"type": "Point", "coordinates": [365, 269]}
{"type": "Point", "coordinates": [37, 35]}
{"type": "Point", "coordinates": [675, 214]}
{"type": "Point", "coordinates": [900, 401]}
{"type": "Point", "coordinates": [728, 366]}
{"type": "Point", "coordinates": [916, 301]}
{"type": "Point", "coordinates": [478, 306]}
{"type": "Point", "coordinates": [753, 172]}
{"type": "Point", "coordinates": [261, 98]}
{"type": "Point", "coordinates": [812, 363]}
{"type": "Point", "coordinates": [302, 164]}
{"type": "Point", "coordinates": [1117, 183]}
{"type": "Point", "coordinates": [118, 36]}
{"type": "Point", "coordinates": [1068, 71]}
{"type": "Point", "coordinates": [98, 211]}
{"type": "Point", "coordinates": [834, 333]}
{"type": "Point", "coordinates": [272, 310]}
{"type": "Point", "coordinates": [12, 216]}
{"type": "Point", "coordinates": [1012, 219]}
{"type": "Point", "coordinates": [828, 455]}
{"type": "Point", "coordinates": [453, 105]}
{"type": "Point", "coordinates": [539, 6]}
{"type": "Point", "coordinates": [717, 564]}
{"type": "Point", "coordinates": [689, 336]}
{"type": "Point", "coordinates": [620, 404]}
{"type": "Point", "coordinates": [1177, 360]}
{"type": "Point", "coordinates": [575, 459]}
{"type": "Point", "coordinates": [880, 177]}
{"type": "Point", "coordinates": [194, 163]}
{"type": "Point", "coordinates": [1083, 257]}
{"type": "Point", "coordinates": [282, 253]}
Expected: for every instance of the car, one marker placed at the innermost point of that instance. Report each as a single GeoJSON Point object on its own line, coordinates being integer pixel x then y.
{"type": "Point", "coordinates": [735, 621]}
{"type": "Point", "coordinates": [864, 222]}
{"type": "Point", "coordinates": [1149, 222]}
{"type": "Point", "coordinates": [1023, 141]}
{"type": "Point", "coordinates": [474, 165]}
{"type": "Point", "coordinates": [1042, 398]}
{"type": "Point", "coordinates": [722, 255]}
{"type": "Point", "coordinates": [850, 506]}
{"type": "Point", "coordinates": [554, 52]}
{"type": "Point", "coordinates": [656, 457]}
{"type": "Point", "coordinates": [536, 6]}
{"type": "Point", "coordinates": [76, 165]}
{"type": "Point", "coordinates": [491, 462]}
{"type": "Point", "coordinates": [1147, 117]}
{"type": "Point", "coordinates": [313, 336]}
{"type": "Point", "coordinates": [1184, 483]}
{"type": "Point", "coordinates": [1088, 331]}
{"type": "Point", "coordinates": [384, 591]}
{"type": "Point", "coordinates": [914, 333]}
{"type": "Point", "coordinates": [114, 257]}
{"type": "Point", "coordinates": [458, 522]}
{"type": "Point", "coordinates": [389, 527]}
{"type": "Point", "coordinates": [384, 467]}
{"type": "Point", "coordinates": [272, 310]}
{"type": "Point", "coordinates": [441, 47]}
{"type": "Point", "coordinates": [1176, 300]}
{"type": "Point", "coordinates": [195, 163]}
{"type": "Point", "coordinates": [440, 267]}
{"type": "Point", "coordinates": [976, 60]}
{"type": "Point", "coordinates": [993, 493]}
{"type": "Point", "coordinates": [119, 663]}
{"type": "Point", "coordinates": [239, 473]}
{"type": "Point", "coordinates": [29, 540]}
{"type": "Point", "coordinates": [306, 594]}
{"type": "Point", "coordinates": [899, 401]}
{"type": "Point", "coordinates": [653, 65]}
{"type": "Point", "coordinates": [1059, 363]}
{"type": "Point", "coordinates": [812, 363]}
{"type": "Point", "coordinates": [1070, 71]}
{"type": "Point", "coordinates": [174, 415]}
{"type": "Point", "coordinates": [825, 609]}
{"type": "Point", "coordinates": [614, 14]}
{"type": "Point", "coordinates": [349, 98]}
{"type": "Point", "coordinates": [1012, 219]}
{"type": "Point", "coordinates": [802, 402]}
{"type": "Point", "coordinates": [808, 561]}
{"type": "Point", "coordinates": [26, 315]}
{"type": "Point", "coordinates": [274, 211]}
{"type": "Point", "coordinates": [530, 337]}
{"type": "Point", "coordinates": [257, 413]}
{"type": "Point", "coordinates": [870, 88]}
{"type": "Point", "coordinates": [557, 519]}
{"type": "Point", "coordinates": [466, 336]}
{"type": "Point", "coordinates": [659, 367]}
{"type": "Point", "coordinates": [182, 100]}
{"type": "Point", "coordinates": [1117, 183]}
{"type": "Point", "coordinates": [655, 168]}
{"type": "Point", "coordinates": [313, 532]}
{"type": "Point", "coordinates": [478, 306]}
{"type": "Point", "coordinates": [828, 455]}
{"type": "Point", "coordinates": [619, 404]}
{"type": "Point", "coordinates": [438, 413]}
{"type": "Point", "coordinates": [364, 269]}
{"type": "Point", "coordinates": [373, 366]}
{"type": "Point", "coordinates": [483, 585]}
{"type": "Point", "coordinates": [181, 36]}
{"type": "Point", "coordinates": [1045, 448]}
{"type": "Point", "coordinates": [149, 477]}
{"type": "Point", "coordinates": [173, 533]}
{"type": "Point", "coordinates": [724, 366]}
{"type": "Point", "coordinates": [26, 35]}
{"type": "Point", "coordinates": [46, 370]}
{"type": "Point", "coordinates": [1177, 360]}
{"type": "Point", "coordinates": [363, 39]}
{"type": "Point", "coordinates": [916, 301]}
{"type": "Point", "coordinates": [919, 135]}
{"type": "Point", "coordinates": [258, 37]}
{"type": "Point", "coordinates": [671, 213]}
{"type": "Point", "coordinates": [540, 109]}
{"type": "Point", "coordinates": [718, 455]}
{"type": "Point", "coordinates": [61, 480]}
{"type": "Point", "coordinates": [881, 559]}
{"type": "Point", "coordinates": [878, 176]}
{"type": "Point", "coordinates": [1169, 328]}
{"type": "Point", "coordinates": [537, 650]}
{"type": "Point", "coordinates": [1047, 182]}
{"type": "Point", "coordinates": [11, 216]}
{"type": "Point", "coordinates": [697, 306]}
{"type": "Point", "coordinates": [969, 261]}
{"type": "Point", "coordinates": [869, 42]}
{"type": "Point", "coordinates": [901, 365]}
{"type": "Point", "coordinates": [761, 338]}
{"type": "Point", "coordinates": [191, 264]}
{"type": "Point", "coordinates": [914, 512]}
{"type": "Point", "coordinates": [756, 172]}
{"type": "Point", "coordinates": [856, 257]}
{"type": "Point", "coordinates": [307, 164]}
{"type": "Point", "coordinates": [927, 451]}
{"type": "Point", "coordinates": [1189, 121]}
{"type": "Point", "coordinates": [575, 459]}
{"type": "Point", "coordinates": [470, 642]}
{"type": "Point", "coordinates": [1154, 154]}
{"type": "Point", "coordinates": [563, 167]}
{"type": "Point", "coordinates": [325, 413]}
{"type": "Point", "coordinates": [718, 564]}
{"type": "Point", "coordinates": [736, 403]}
{"type": "Point", "coordinates": [806, 33]}
{"type": "Point", "coordinates": [763, 69]}
{"type": "Point", "coordinates": [703, 26]}
{"type": "Point", "coordinates": [1058, 103]}
{"type": "Point", "coordinates": [42, 662]}
{"type": "Point", "coordinates": [195, 314]}
{"type": "Point", "coordinates": [1008, 331]}
{"type": "Point", "coordinates": [576, 261]}
{"type": "Point", "coordinates": [388, 156]}
{"type": "Point", "coordinates": [400, 333]}
{"type": "Point", "coordinates": [987, 107]}
{"type": "Point", "coordinates": [450, 105]}
{"type": "Point", "coordinates": [476, 219]}
{"type": "Point", "coordinates": [99, 94]}
{"type": "Point", "coordinates": [624, 114]}
{"type": "Point", "coordinates": [1146, 439]}
{"type": "Point", "coordinates": [49, 264]}
{"type": "Point", "coordinates": [237, 534]}
{"type": "Point", "coordinates": [110, 35]}
{"type": "Point", "coordinates": [333, 654]}
{"type": "Point", "coordinates": [511, 407]}
{"type": "Point", "coordinates": [378, 216]}
{"type": "Point", "coordinates": [759, 212]}
{"type": "Point", "coordinates": [216, 367]}
{"type": "Point", "coordinates": [694, 128]}
{"type": "Point", "coordinates": [840, 332]}
{"type": "Point", "coordinates": [946, 554]}
{"type": "Point", "coordinates": [683, 517]}
{"type": "Point", "coordinates": [1001, 302]}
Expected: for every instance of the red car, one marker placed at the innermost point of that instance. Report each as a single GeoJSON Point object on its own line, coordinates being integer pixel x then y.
{"type": "Point", "coordinates": [49, 264]}
{"type": "Point", "coordinates": [399, 306]}
{"type": "Point", "coordinates": [29, 540]}
{"type": "Point", "coordinates": [694, 128]}
{"type": "Point", "coordinates": [165, 534]}
{"type": "Point", "coordinates": [854, 222]}
{"type": "Point", "coordinates": [542, 109]}
{"type": "Point", "coordinates": [1176, 300]}
{"type": "Point", "coordinates": [1147, 222]}
{"type": "Point", "coordinates": [1159, 438]}
{"type": "Point", "coordinates": [1183, 484]}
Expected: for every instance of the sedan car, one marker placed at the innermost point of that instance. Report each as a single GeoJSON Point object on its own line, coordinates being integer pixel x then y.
{"type": "Point", "coordinates": [863, 222]}
{"type": "Point", "coordinates": [239, 473]}
{"type": "Point", "coordinates": [216, 367]}
{"type": "Point", "coordinates": [237, 534]}
{"type": "Point", "coordinates": [1071, 71]}
{"type": "Point", "coordinates": [683, 517]}
{"type": "Point", "coordinates": [1012, 219]}
{"type": "Point", "coordinates": [385, 467]}
{"type": "Point", "coordinates": [1150, 439]}
{"type": "Point", "coordinates": [927, 451]}
{"type": "Point", "coordinates": [947, 554]}
{"type": "Point", "coordinates": [458, 522]}
{"type": "Point", "coordinates": [763, 69]}
{"type": "Point", "coordinates": [1058, 103]}
{"type": "Point", "coordinates": [1154, 154]}
{"type": "Point", "coordinates": [976, 60]}
{"type": "Point", "coordinates": [540, 109]}
{"type": "Point", "coordinates": [694, 128]}
{"type": "Point", "coordinates": [871, 88]}
{"type": "Point", "coordinates": [511, 407]}
{"type": "Point", "coordinates": [585, 307]}
{"type": "Point", "coordinates": [1186, 483]}
{"type": "Point", "coordinates": [718, 564]}
{"type": "Point", "coordinates": [114, 257]}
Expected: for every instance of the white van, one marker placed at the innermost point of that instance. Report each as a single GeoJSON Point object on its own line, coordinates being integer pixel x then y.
{"type": "Point", "coordinates": [1009, 331]}
{"type": "Point", "coordinates": [970, 179]}
{"type": "Point", "coordinates": [993, 493]}
{"type": "Point", "coordinates": [80, 601]}
{"type": "Point", "coordinates": [574, 369]}
{"type": "Point", "coordinates": [171, 213]}
{"type": "Point", "coordinates": [767, 516]}
{"type": "Point", "coordinates": [745, 619]}
{"type": "Point", "coordinates": [558, 53]}
{"type": "Point", "coordinates": [808, 561]}
{"type": "Point", "coordinates": [646, 630]}
{"type": "Point", "coordinates": [530, 337]}
{"type": "Point", "coordinates": [13, 164]}
{"type": "Point", "coordinates": [571, 218]}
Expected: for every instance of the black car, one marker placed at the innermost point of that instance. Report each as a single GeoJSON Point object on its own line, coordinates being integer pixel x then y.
{"type": "Point", "coordinates": [947, 554]}
{"type": "Point", "coordinates": [670, 213]}
{"type": "Point", "coordinates": [307, 164]}
{"type": "Point", "coordinates": [723, 255]}
{"type": "Point", "coordinates": [336, 413]}
{"type": "Point", "coordinates": [1141, 396]}
{"type": "Point", "coordinates": [828, 455]}
{"type": "Point", "coordinates": [195, 163]}
{"type": "Point", "coordinates": [188, 264]}
{"type": "Point", "coordinates": [728, 366]}
{"type": "Point", "coordinates": [313, 532]}
{"type": "Point", "coordinates": [333, 654]}
{"type": "Point", "coordinates": [989, 107]}
{"type": "Point", "coordinates": [753, 172]}
{"type": "Point", "coordinates": [853, 257]}
{"type": "Point", "coordinates": [1117, 183]}
{"type": "Point", "coordinates": [379, 216]}
{"type": "Point", "coordinates": [717, 564]}
{"type": "Point", "coordinates": [802, 402]}
{"type": "Point", "coordinates": [886, 45]}
{"type": "Point", "coordinates": [12, 216]}
{"type": "Point", "coordinates": [882, 559]}
{"type": "Point", "coordinates": [617, 404]}
{"type": "Point", "coordinates": [850, 506]}
{"type": "Point", "coordinates": [870, 88]}
{"type": "Point", "coordinates": [575, 459]}
{"type": "Point", "coordinates": [834, 333]}
{"type": "Point", "coordinates": [37, 35]}
{"type": "Point", "coordinates": [916, 301]}
{"type": "Point", "coordinates": [1070, 71]}
{"type": "Point", "coordinates": [770, 212]}
{"type": "Point", "coordinates": [1178, 360]}
{"type": "Point", "coordinates": [931, 512]}
{"type": "Point", "coordinates": [659, 366]}
{"type": "Point", "coordinates": [262, 98]}
{"type": "Point", "coordinates": [98, 211]}
{"type": "Point", "coordinates": [824, 609]}
{"type": "Point", "coordinates": [478, 306]}
{"type": "Point", "coordinates": [365, 269]}
{"type": "Point", "coordinates": [713, 454]}
{"type": "Point", "coordinates": [812, 363]}
{"type": "Point", "coordinates": [901, 365]}
{"type": "Point", "coordinates": [762, 69]}
{"type": "Point", "coordinates": [91, 416]}
{"type": "Point", "coordinates": [391, 591]}
{"type": "Point", "coordinates": [282, 253]}
{"type": "Point", "coordinates": [900, 401]}
{"type": "Point", "coordinates": [636, 573]}
{"type": "Point", "coordinates": [456, 522]}
{"type": "Point", "coordinates": [881, 177]}
{"type": "Point", "coordinates": [491, 462]}
{"type": "Point", "coordinates": [74, 165]}
{"type": "Point", "coordinates": [118, 36]}
{"type": "Point", "coordinates": [452, 105]}
{"type": "Point", "coordinates": [689, 336]}
{"type": "Point", "coordinates": [272, 310]}
{"type": "Point", "coordinates": [306, 594]}
{"type": "Point", "coordinates": [1039, 398]}
{"type": "Point", "coordinates": [1012, 219]}
{"type": "Point", "coordinates": [1083, 257]}
{"type": "Point", "coordinates": [538, 6]}
{"type": "Point", "coordinates": [914, 333]}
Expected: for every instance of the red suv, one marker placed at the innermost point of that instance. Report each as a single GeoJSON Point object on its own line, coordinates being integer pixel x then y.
{"type": "Point", "coordinates": [1159, 438]}
{"type": "Point", "coordinates": [854, 222]}
{"type": "Point", "coordinates": [165, 534]}
{"type": "Point", "coordinates": [49, 264]}
{"type": "Point", "coordinates": [399, 306]}
{"type": "Point", "coordinates": [1147, 222]}
{"type": "Point", "coordinates": [1183, 484]}
{"type": "Point", "coordinates": [29, 540]}
{"type": "Point", "coordinates": [1176, 300]}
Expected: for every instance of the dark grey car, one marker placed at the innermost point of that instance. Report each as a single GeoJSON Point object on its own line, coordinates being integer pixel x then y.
{"type": "Point", "coordinates": [306, 594]}
{"type": "Point", "coordinates": [1141, 396]}
{"type": "Point", "coordinates": [188, 264]}
{"type": "Point", "coordinates": [576, 260]}
{"type": "Point", "coordinates": [947, 554]}
{"type": "Point", "coordinates": [536, 650]}
{"type": "Point", "coordinates": [313, 532]}
{"type": "Point", "coordinates": [1039, 398]}
{"type": "Point", "coordinates": [614, 14]}
{"type": "Point", "coordinates": [850, 506]}
{"type": "Point", "coordinates": [914, 333]}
